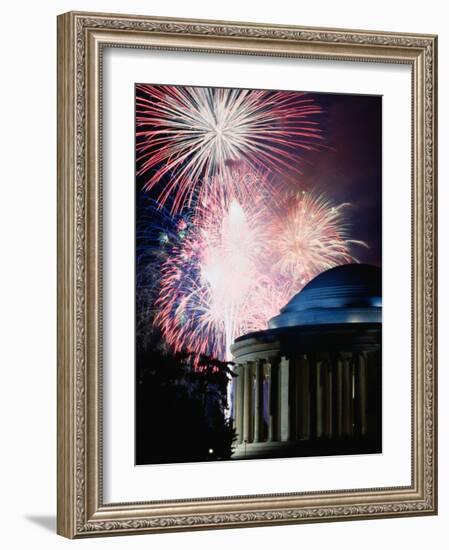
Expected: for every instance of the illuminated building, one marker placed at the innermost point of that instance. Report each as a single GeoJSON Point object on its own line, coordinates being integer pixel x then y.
{"type": "Point", "coordinates": [311, 383]}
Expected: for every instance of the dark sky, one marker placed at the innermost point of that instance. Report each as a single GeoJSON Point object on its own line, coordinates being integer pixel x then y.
{"type": "Point", "coordinates": [350, 167]}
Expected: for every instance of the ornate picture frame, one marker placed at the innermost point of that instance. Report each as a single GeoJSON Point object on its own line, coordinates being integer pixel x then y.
{"type": "Point", "coordinates": [82, 39]}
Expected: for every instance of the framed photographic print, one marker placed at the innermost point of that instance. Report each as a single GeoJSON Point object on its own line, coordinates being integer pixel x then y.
{"type": "Point", "coordinates": [246, 276]}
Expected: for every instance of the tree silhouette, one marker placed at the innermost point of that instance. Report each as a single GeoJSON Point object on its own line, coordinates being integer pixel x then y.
{"type": "Point", "coordinates": [181, 404]}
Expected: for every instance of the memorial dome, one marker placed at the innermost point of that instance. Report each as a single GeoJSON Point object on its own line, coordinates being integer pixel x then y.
{"type": "Point", "coordinates": [350, 293]}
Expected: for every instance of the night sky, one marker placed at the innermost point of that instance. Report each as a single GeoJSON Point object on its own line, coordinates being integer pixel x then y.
{"type": "Point", "coordinates": [350, 169]}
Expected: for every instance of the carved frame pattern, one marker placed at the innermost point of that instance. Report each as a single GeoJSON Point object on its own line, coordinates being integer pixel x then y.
{"type": "Point", "coordinates": [81, 37]}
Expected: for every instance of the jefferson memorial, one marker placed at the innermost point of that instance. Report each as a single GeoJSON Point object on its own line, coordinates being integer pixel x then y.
{"type": "Point", "coordinates": [311, 383]}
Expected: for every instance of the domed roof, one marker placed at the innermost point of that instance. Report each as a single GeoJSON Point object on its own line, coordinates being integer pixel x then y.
{"type": "Point", "coordinates": [350, 293]}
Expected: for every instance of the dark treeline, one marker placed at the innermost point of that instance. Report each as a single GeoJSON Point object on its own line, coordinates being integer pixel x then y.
{"type": "Point", "coordinates": [181, 402]}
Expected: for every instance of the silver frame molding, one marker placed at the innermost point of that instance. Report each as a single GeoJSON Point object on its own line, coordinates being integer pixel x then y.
{"type": "Point", "coordinates": [81, 510]}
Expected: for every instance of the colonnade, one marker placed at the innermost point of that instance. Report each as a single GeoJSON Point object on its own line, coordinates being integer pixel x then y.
{"type": "Point", "coordinates": [308, 396]}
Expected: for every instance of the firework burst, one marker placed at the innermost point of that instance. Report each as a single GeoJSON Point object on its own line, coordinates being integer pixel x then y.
{"type": "Point", "coordinates": [212, 288]}
{"type": "Point", "coordinates": [157, 233]}
{"type": "Point", "coordinates": [237, 266]}
{"type": "Point", "coordinates": [309, 238]}
{"type": "Point", "coordinates": [190, 136]}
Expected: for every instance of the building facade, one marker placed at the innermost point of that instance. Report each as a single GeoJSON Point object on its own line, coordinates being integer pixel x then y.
{"type": "Point", "coordinates": [311, 383]}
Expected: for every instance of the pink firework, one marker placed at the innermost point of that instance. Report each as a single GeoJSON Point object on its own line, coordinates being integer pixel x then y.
{"type": "Point", "coordinates": [239, 264]}
{"type": "Point", "coordinates": [213, 287]}
{"type": "Point", "coordinates": [309, 238]}
{"type": "Point", "coordinates": [190, 135]}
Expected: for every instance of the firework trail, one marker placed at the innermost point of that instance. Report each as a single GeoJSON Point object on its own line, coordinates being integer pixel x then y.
{"type": "Point", "coordinates": [195, 134]}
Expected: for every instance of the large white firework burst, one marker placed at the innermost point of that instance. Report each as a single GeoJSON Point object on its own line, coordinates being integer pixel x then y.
{"type": "Point", "coordinates": [191, 135]}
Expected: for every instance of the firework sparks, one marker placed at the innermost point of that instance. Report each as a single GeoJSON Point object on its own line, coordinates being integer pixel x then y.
{"type": "Point", "coordinates": [211, 283]}
{"type": "Point", "coordinates": [193, 135]}
{"type": "Point", "coordinates": [236, 267]}
{"type": "Point", "coordinates": [156, 234]}
{"type": "Point", "coordinates": [311, 237]}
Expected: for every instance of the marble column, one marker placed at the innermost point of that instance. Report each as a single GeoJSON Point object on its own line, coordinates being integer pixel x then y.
{"type": "Point", "coordinates": [339, 395]}
{"type": "Point", "coordinates": [304, 399]}
{"type": "Point", "coordinates": [328, 404]}
{"type": "Point", "coordinates": [273, 399]}
{"type": "Point", "coordinates": [347, 394]}
{"type": "Point", "coordinates": [258, 402]}
{"type": "Point", "coordinates": [240, 400]}
{"type": "Point", "coordinates": [313, 396]}
{"type": "Point", "coordinates": [247, 401]}
{"type": "Point", "coordinates": [362, 395]}
{"type": "Point", "coordinates": [284, 384]}
{"type": "Point", "coordinates": [319, 398]}
{"type": "Point", "coordinates": [234, 394]}
{"type": "Point", "coordinates": [292, 398]}
{"type": "Point", "coordinates": [232, 403]}
{"type": "Point", "coordinates": [298, 396]}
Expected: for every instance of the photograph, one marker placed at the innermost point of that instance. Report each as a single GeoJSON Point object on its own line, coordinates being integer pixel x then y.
{"type": "Point", "coordinates": [258, 274]}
